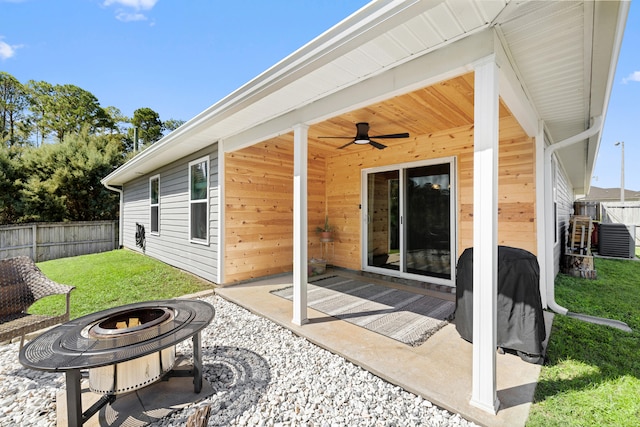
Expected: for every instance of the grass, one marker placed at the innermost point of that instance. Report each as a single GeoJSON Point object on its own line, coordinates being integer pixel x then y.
{"type": "Point", "coordinates": [111, 279]}
{"type": "Point", "coordinates": [592, 377]}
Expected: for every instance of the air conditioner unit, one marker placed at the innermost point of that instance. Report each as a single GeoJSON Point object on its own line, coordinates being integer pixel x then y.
{"type": "Point", "coordinates": [617, 240]}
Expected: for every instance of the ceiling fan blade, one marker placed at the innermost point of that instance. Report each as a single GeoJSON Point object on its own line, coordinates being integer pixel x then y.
{"type": "Point", "coordinates": [347, 144]}
{"type": "Point", "coordinates": [393, 135]}
{"type": "Point", "coordinates": [377, 145]}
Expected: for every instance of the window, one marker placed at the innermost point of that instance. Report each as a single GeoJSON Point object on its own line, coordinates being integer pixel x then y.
{"type": "Point", "coordinates": [154, 203]}
{"type": "Point", "coordinates": [199, 200]}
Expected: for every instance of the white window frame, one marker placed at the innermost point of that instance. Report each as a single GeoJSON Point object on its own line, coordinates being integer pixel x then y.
{"type": "Point", "coordinates": [152, 205]}
{"type": "Point", "coordinates": [192, 239]}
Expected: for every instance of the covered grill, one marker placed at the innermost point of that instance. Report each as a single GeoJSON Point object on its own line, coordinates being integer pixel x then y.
{"type": "Point", "coordinates": [520, 318]}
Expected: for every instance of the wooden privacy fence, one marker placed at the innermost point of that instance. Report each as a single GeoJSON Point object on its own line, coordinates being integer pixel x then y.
{"type": "Point", "coordinates": [45, 241]}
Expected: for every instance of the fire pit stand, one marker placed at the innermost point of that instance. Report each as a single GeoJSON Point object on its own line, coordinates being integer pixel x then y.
{"type": "Point", "coordinates": [111, 341]}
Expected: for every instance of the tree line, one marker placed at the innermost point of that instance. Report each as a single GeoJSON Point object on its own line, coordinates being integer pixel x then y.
{"type": "Point", "coordinates": [56, 143]}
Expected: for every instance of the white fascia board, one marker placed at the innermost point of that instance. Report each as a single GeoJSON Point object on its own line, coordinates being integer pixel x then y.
{"type": "Point", "coordinates": [438, 65]}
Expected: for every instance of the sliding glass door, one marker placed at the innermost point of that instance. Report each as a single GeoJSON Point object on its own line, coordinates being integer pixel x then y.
{"type": "Point", "coordinates": [410, 220]}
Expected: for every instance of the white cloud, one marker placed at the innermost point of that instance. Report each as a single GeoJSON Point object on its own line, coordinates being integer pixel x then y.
{"type": "Point", "coordinates": [130, 17]}
{"type": "Point", "coordinates": [130, 10]}
{"type": "Point", "coordinates": [136, 4]}
{"type": "Point", "coordinates": [7, 50]}
{"type": "Point", "coordinates": [633, 77]}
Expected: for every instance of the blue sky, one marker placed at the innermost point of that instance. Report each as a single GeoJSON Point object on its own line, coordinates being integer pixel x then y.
{"type": "Point", "coordinates": [180, 57]}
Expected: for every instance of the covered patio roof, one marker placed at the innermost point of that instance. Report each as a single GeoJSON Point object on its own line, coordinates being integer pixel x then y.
{"type": "Point", "coordinates": [562, 57]}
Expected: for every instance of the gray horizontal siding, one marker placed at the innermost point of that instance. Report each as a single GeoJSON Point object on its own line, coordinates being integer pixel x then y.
{"type": "Point", "coordinates": [565, 198]}
{"type": "Point", "coordinates": [171, 244]}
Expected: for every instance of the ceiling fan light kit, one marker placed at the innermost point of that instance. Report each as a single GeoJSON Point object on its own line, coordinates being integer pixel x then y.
{"type": "Point", "coordinates": [362, 137]}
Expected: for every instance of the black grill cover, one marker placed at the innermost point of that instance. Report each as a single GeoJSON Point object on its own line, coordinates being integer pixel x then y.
{"type": "Point", "coordinates": [520, 318]}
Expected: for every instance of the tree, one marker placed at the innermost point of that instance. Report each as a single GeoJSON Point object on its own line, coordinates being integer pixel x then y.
{"type": "Point", "coordinates": [116, 116]}
{"type": "Point", "coordinates": [64, 179]}
{"type": "Point", "coordinates": [64, 109]}
{"type": "Point", "coordinates": [40, 96]}
{"type": "Point", "coordinates": [10, 176]}
{"type": "Point", "coordinates": [173, 124]}
{"type": "Point", "coordinates": [13, 104]}
{"type": "Point", "coordinates": [149, 125]}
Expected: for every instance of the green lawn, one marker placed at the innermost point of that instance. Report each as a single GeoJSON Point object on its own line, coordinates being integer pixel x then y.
{"type": "Point", "coordinates": [592, 377]}
{"type": "Point", "coordinates": [115, 278]}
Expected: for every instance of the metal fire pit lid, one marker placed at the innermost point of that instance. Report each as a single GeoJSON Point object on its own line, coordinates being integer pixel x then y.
{"type": "Point", "coordinates": [69, 346]}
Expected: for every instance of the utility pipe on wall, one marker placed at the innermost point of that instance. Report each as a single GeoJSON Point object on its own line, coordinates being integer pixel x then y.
{"type": "Point", "coordinates": [549, 223]}
{"type": "Point", "coordinates": [549, 219]}
{"type": "Point", "coordinates": [121, 216]}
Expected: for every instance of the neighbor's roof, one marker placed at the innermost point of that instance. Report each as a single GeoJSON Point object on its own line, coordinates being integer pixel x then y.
{"type": "Point", "coordinates": [563, 53]}
{"type": "Point", "coordinates": [610, 195]}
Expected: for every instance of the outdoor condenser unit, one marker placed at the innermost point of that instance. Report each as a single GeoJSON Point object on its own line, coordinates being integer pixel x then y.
{"type": "Point", "coordinates": [617, 240]}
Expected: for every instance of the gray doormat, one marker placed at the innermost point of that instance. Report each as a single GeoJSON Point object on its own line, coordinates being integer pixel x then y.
{"type": "Point", "coordinates": [404, 316]}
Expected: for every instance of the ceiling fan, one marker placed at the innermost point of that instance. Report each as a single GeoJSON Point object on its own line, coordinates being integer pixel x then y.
{"type": "Point", "coordinates": [362, 137]}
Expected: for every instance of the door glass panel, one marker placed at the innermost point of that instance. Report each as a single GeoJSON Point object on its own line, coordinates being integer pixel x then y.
{"type": "Point", "coordinates": [383, 220]}
{"type": "Point", "coordinates": [428, 220]}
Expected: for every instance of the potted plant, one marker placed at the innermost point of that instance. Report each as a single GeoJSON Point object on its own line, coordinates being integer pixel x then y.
{"type": "Point", "coordinates": [326, 231]}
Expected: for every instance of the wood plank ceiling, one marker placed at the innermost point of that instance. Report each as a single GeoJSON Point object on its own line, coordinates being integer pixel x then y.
{"type": "Point", "coordinates": [443, 106]}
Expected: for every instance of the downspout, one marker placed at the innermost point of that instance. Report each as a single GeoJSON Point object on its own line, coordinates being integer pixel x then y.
{"type": "Point", "coordinates": [121, 216]}
{"type": "Point", "coordinates": [550, 225]}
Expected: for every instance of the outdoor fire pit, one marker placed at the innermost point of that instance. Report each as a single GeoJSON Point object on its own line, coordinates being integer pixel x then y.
{"type": "Point", "coordinates": [141, 371]}
{"type": "Point", "coordinates": [123, 348]}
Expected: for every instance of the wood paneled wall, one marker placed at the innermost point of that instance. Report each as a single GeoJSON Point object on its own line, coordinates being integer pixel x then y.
{"type": "Point", "coordinates": [259, 209]}
{"type": "Point", "coordinates": [516, 210]}
{"type": "Point", "coordinates": [259, 201]}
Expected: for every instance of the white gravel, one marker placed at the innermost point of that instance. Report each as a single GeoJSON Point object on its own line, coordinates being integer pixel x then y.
{"type": "Point", "coordinates": [262, 375]}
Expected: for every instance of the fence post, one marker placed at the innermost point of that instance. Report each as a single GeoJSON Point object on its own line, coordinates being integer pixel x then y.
{"type": "Point", "coordinates": [34, 235]}
{"type": "Point", "coordinates": [113, 235]}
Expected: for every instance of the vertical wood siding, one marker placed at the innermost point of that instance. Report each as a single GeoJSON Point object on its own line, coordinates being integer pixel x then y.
{"type": "Point", "coordinates": [259, 208]}
{"type": "Point", "coordinates": [516, 206]}
{"type": "Point", "coordinates": [171, 245]}
{"type": "Point", "coordinates": [259, 204]}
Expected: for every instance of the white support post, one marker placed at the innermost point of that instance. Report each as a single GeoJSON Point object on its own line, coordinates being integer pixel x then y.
{"type": "Point", "coordinates": [222, 196]}
{"type": "Point", "coordinates": [300, 273]}
{"type": "Point", "coordinates": [485, 236]}
{"type": "Point", "coordinates": [541, 203]}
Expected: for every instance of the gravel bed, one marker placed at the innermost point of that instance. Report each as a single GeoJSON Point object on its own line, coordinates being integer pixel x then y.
{"type": "Point", "coordinates": [261, 374]}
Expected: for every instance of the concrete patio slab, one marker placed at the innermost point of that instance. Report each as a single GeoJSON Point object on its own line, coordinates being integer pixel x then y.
{"type": "Point", "coordinates": [438, 370]}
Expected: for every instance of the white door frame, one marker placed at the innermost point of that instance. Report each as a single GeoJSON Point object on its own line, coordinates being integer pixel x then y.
{"type": "Point", "coordinates": [364, 232]}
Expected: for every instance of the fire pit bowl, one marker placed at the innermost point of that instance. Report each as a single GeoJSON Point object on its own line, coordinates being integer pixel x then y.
{"type": "Point", "coordinates": [136, 373]}
{"type": "Point", "coordinates": [130, 321]}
